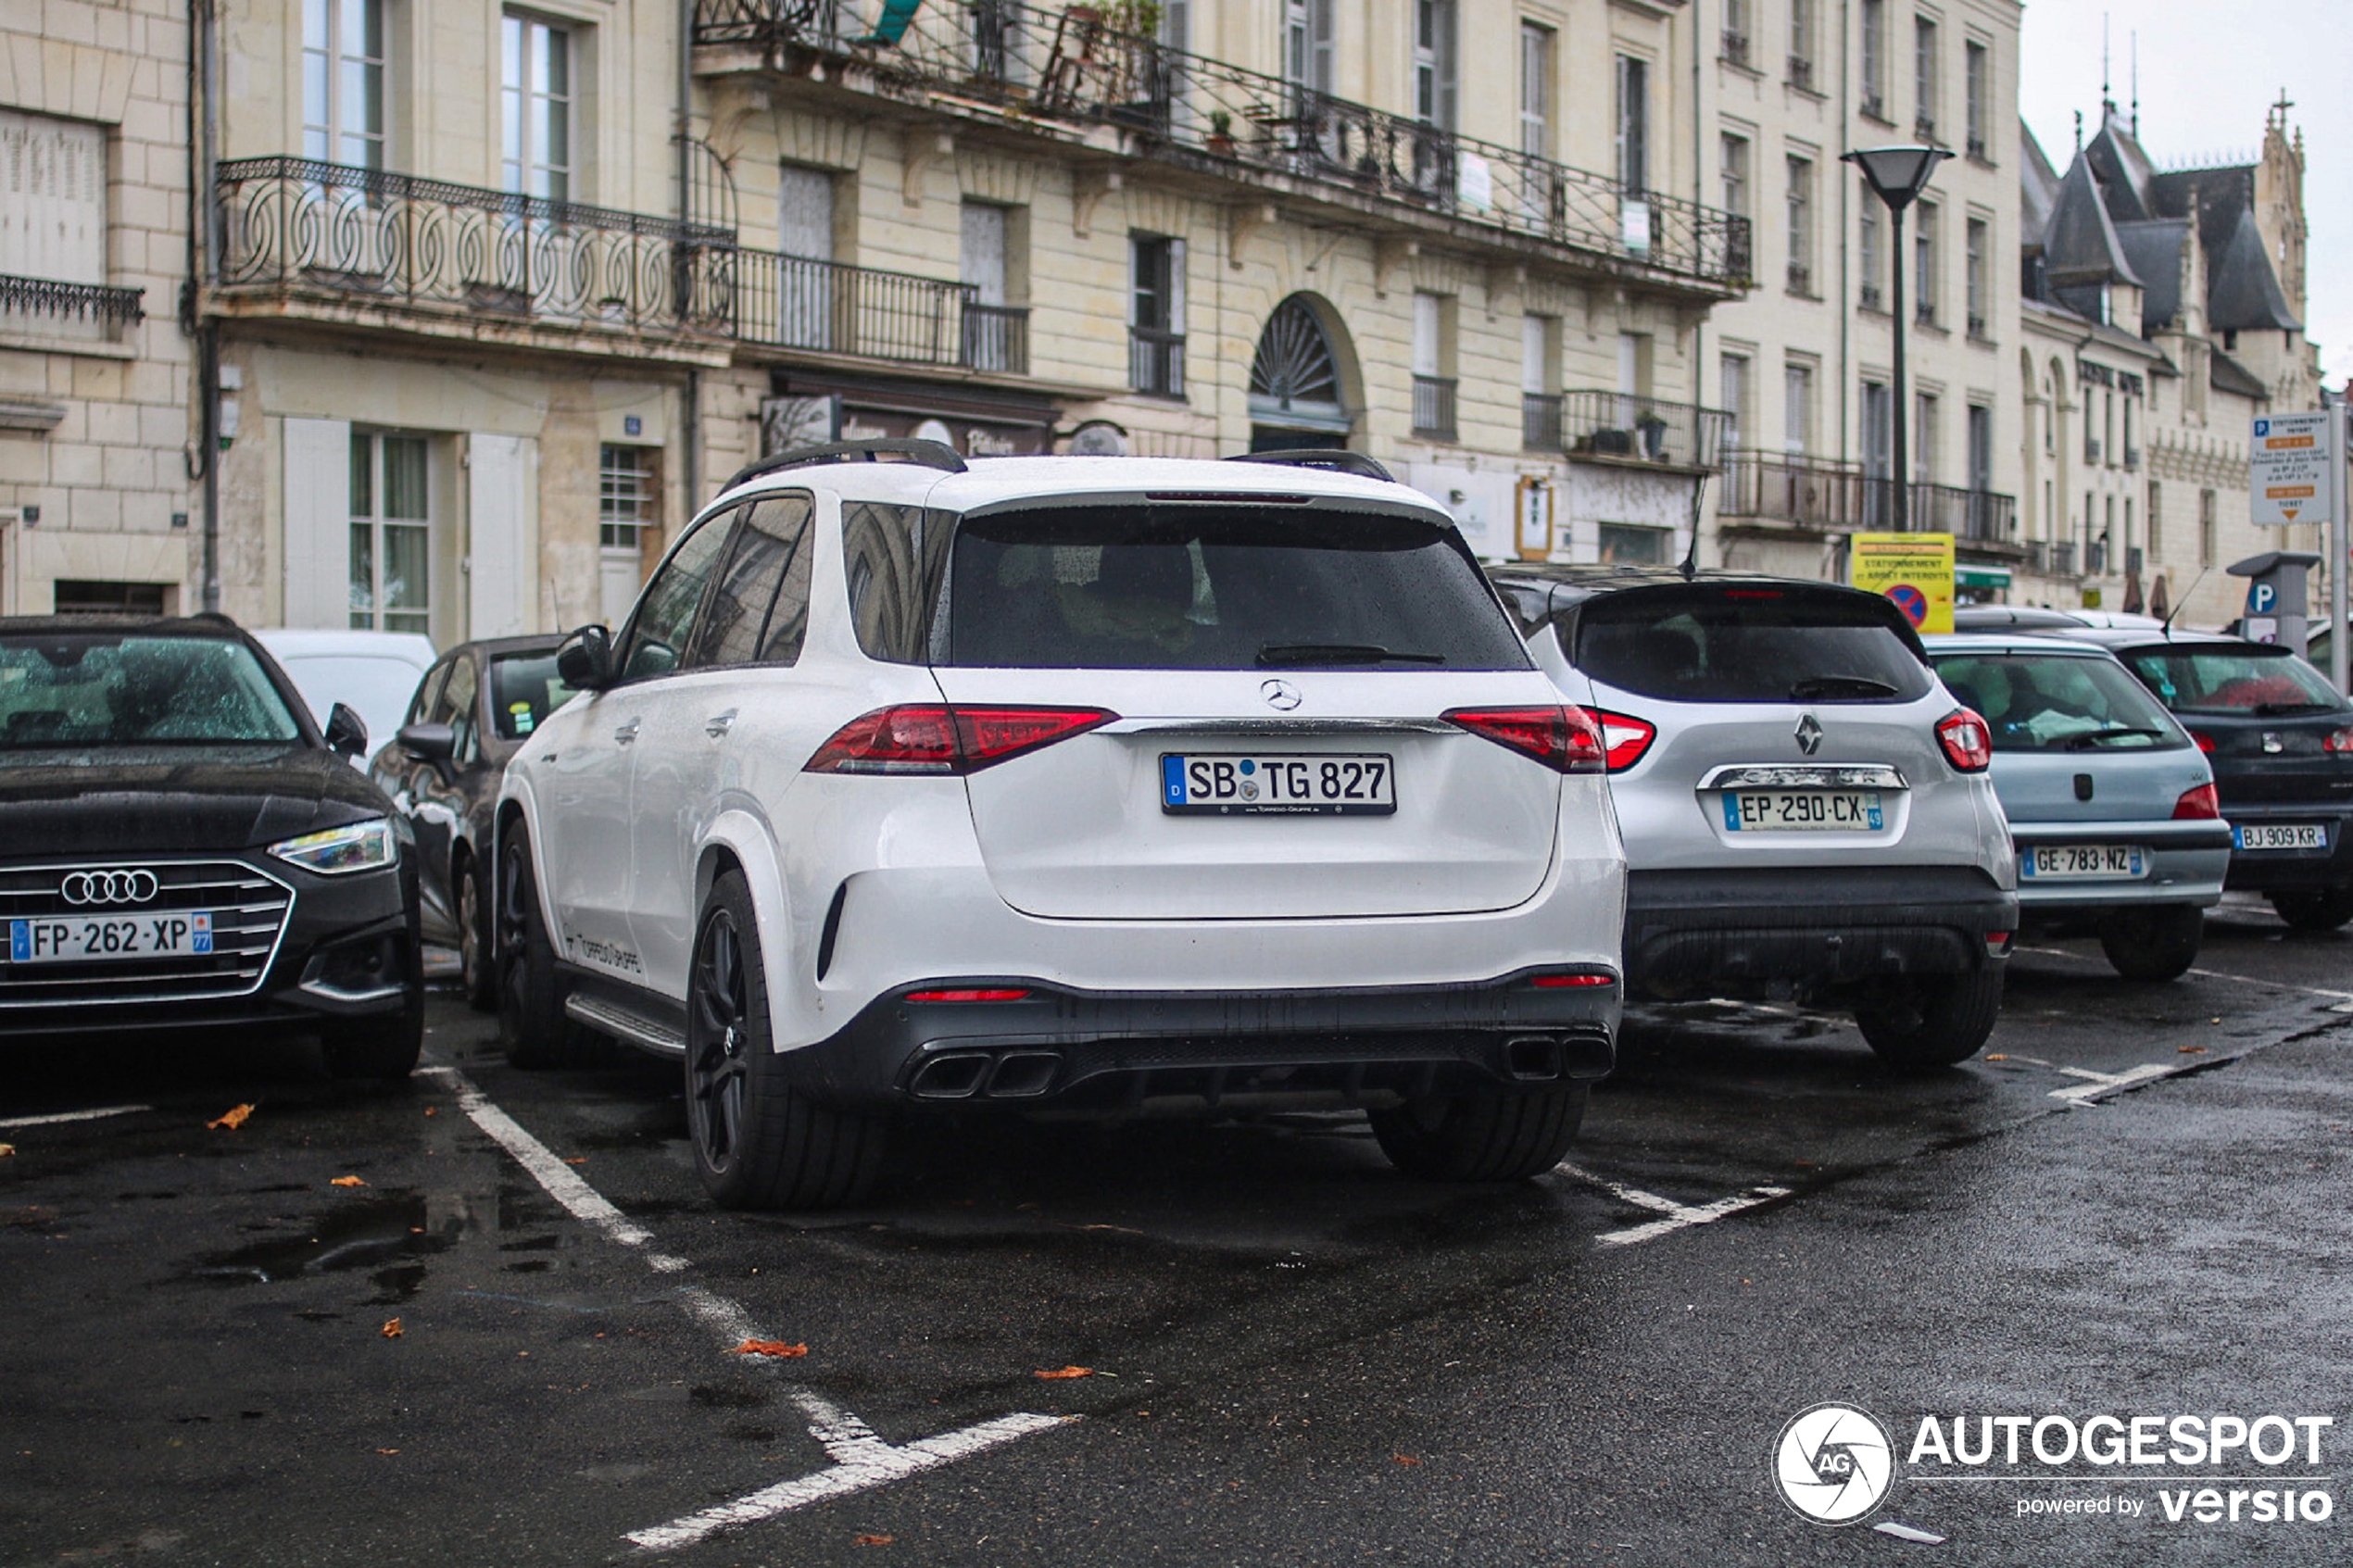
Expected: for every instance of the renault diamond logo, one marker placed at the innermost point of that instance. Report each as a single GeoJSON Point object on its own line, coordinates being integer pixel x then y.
{"type": "Point", "coordinates": [1280, 696]}
{"type": "Point", "coordinates": [1809, 734]}
{"type": "Point", "coordinates": [82, 888]}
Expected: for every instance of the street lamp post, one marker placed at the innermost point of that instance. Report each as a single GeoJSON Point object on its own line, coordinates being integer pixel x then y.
{"type": "Point", "coordinates": [1896, 175]}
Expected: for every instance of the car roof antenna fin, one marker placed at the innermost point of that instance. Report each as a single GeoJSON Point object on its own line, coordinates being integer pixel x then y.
{"type": "Point", "coordinates": [1691, 557]}
{"type": "Point", "coordinates": [2176, 609]}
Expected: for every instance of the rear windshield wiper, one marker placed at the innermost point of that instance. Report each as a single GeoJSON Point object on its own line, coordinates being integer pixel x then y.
{"type": "Point", "coordinates": [2087, 739]}
{"type": "Point", "coordinates": [1841, 685]}
{"type": "Point", "coordinates": [1281, 655]}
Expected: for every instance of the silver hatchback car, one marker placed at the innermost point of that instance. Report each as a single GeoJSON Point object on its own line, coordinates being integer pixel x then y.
{"type": "Point", "coordinates": [2111, 806]}
{"type": "Point", "coordinates": [1805, 808]}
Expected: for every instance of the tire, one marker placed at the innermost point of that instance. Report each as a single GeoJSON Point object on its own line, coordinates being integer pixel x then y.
{"type": "Point", "coordinates": [1496, 1135]}
{"type": "Point", "coordinates": [760, 1142]}
{"type": "Point", "coordinates": [1943, 1022]}
{"type": "Point", "coordinates": [532, 1025]}
{"type": "Point", "coordinates": [2153, 944]}
{"type": "Point", "coordinates": [383, 1048]}
{"type": "Point", "coordinates": [477, 938]}
{"type": "Point", "coordinates": [2314, 909]}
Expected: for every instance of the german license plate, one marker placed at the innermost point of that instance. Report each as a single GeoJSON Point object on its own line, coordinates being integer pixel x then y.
{"type": "Point", "coordinates": [86, 938]}
{"type": "Point", "coordinates": [1263, 784]}
{"type": "Point", "coordinates": [2279, 835]}
{"type": "Point", "coordinates": [2064, 863]}
{"type": "Point", "coordinates": [1803, 810]}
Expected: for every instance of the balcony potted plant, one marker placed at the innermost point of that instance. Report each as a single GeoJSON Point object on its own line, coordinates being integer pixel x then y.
{"type": "Point", "coordinates": [1221, 134]}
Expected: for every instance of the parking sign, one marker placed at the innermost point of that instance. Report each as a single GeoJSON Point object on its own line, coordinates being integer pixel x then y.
{"type": "Point", "coordinates": [2288, 469]}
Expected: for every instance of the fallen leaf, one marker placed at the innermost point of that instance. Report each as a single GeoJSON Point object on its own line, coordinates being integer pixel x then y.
{"type": "Point", "coordinates": [1066, 1372]}
{"type": "Point", "coordinates": [7, 1151]}
{"type": "Point", "coordinates": [231, 1118]}
{"type": "Point", "coordinates": [387, 1450]}
{"type": "Point", "coordinates": [575, 1160]}
{"type": "Point", "coordinates": [872, 1540]}
{"type": "Point", "coordinates": [1995, 1056]}
{"type": "Point", "coordinates": [432, 1111]}
{"type": "Point", "coordinates": [771, 1348]}
{"type": "Point", "coordinates": [1406, 1459]}
{"type": "Point", "coordinates": [2191, 1050]}
{"type": "Point", "coordinates": [347, 1182]}
{"type": "Point", "coordinates": [391, 1329]}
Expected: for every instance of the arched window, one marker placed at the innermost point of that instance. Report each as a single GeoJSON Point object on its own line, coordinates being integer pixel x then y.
{"type": "Point", "coordinates": [1296, 395]}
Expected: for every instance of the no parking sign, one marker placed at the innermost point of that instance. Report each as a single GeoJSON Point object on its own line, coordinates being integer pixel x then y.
{"type": "Point", "coordinates": [1913, 570]}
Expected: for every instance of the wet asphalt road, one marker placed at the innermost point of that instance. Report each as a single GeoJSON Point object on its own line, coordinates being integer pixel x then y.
{"type": "Point", "coordinates": [1298, 1357]}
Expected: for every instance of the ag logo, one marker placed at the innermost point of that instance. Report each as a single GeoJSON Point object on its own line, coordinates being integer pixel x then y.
{"type": "Point", "coordinates": [1833, 1464]}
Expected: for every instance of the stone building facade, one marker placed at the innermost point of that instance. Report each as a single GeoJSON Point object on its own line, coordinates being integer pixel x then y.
{"type": "Point", "coordinates": [1807, 359]}
{"type": "Point", "coordinates": [2164, 311]}
{"type": "Point", "coordinates": [481, 327]}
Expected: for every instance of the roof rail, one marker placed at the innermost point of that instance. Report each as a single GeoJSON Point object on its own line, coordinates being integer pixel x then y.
{"type": "Point", "coordinates": [929, 454]}
{"type": "Point", "coordinates": [1338, 459]}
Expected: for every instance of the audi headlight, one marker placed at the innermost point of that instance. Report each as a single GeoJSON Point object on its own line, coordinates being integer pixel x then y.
{"type": "Point", "coordinates": [358, 847]}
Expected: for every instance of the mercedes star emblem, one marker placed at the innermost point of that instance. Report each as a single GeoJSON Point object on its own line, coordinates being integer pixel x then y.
{"type": "Point", "coordinates": [1282, 695]}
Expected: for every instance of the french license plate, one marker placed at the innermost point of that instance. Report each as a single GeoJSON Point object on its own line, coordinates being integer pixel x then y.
{"type": "Point", "coordinates": [2062, 862]}
{"type": "Point", "coordinates": [1804, 810]}
{"type": "Point", "coordinates": [2279, 835]}
{"type": "Point", "coordinates": [83, 938]}
{"type": "Point", "coordinates": [1256, 784]}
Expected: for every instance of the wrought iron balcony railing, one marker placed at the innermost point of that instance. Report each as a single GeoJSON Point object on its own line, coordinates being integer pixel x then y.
{"type": "Point", "coordinates": [1539, 421]}
{"type": "Point", "coordinates": [832, 308]}
{"type": "Point", "coordinates": [97, 303]}
{"type": "Point", "coordinates": [1072, 66]}
{"type": "Point", "coordinates": [1801, 73]}
{"type": "Point", "coordinates": [2132, 458]}
{"type": "Point", "coordinates": [1626, 428]}
{"type": "Point", "coordinates": [1978, 517]}
{"type": "Point", "coordinates": [1733, 50]}
{"type": "Point", "coordinates": [996, 337]}
{"type": "Point", "coordinates": [1434, 407]}
{"type": "Point", "coordinates": [1156, 361]}
{"type": "Point", "coordinates": [370, 235]}
{"type": "Point", "coordinates": [1791, 488]}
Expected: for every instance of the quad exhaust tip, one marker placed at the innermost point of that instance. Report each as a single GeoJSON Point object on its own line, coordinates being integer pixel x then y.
{"type": "Point", "coordinates": [1534, 1058]}
{"type": "Point", "coordinates": [1007, 1076]}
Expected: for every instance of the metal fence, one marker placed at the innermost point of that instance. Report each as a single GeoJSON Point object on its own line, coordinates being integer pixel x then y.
{"type": "Point", "coordinates": [830, 307]}
{"type": "Point", "coordinates": [293, 223]}
{"type": "Point", "coordinates": [1619, 424]}
{"type": "Point", "coordinates": [1071, 64]}
{"type": "Point", "coordinates": [1156, 361]}
{"type": "Point", "coordinates": [1820, 493]}
{"type": "Point", "coordinates": [1434, 407]}
{"type": "Point", "coordinates": [1539, 421]}
{"type": "Point", "coordinates": [94, 301]}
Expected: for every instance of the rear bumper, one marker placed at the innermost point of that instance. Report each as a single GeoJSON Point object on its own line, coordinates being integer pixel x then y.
{"type": "Point", "coordinates": [2186, 862]}
{"type": "Point", "coordinates": [1110, 1051]}
{"type": "Point", "coordinates": [2264, 871]}
{"type": "Point", "coordinates": [1708, 933]}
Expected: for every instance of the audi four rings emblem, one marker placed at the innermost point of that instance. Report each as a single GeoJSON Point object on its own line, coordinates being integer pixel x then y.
{"type": "Point", "coordinates": [108, 888]}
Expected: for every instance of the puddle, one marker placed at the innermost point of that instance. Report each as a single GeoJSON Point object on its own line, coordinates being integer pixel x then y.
{"type": "Point", "coordinates": [389, 1235]}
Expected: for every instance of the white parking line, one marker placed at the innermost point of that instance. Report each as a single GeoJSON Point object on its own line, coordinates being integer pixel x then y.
{"type": "Point", "coordinates": [2274, 984]}
{"type": "Point", "coordinates": [2099, 1085]}
{"type": "Point", "coordinates": [860, 1458]}
{"type": "Point", "coordinates": [56, 1117]}
{"type": "Point", "coordinates": [1677, 1215]}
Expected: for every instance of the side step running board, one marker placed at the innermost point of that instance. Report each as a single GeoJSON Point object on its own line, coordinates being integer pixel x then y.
{"type": "Point", "coordinates": [629, 1028]}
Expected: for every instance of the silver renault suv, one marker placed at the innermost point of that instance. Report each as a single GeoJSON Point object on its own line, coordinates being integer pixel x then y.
{"type": "Point", "coordinates": [1805, 808]}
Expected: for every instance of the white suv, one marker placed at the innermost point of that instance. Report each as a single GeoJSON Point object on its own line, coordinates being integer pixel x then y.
{"type": "Point", "coordinates": [1111, 784]}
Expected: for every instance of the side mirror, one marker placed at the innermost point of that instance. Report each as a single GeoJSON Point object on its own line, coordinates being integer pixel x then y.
{"type": "Point", "coordinates": [586, 660]}
{"type": "Point", "coordinates": [428, 743]}
{"type": "Point", "coordinates": [347, 731]}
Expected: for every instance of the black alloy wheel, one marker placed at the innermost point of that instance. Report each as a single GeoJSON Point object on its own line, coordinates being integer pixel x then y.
{"type": "Point", "coordinates": [716, 1068]}
{"type": "Point", "coordinates": [477, 943]}
{"type": "Point", "coordinates": [532, 1024]}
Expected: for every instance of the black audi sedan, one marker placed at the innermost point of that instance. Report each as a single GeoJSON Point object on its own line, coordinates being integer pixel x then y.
{"type": "Point", "coordinates": [473, 709]}
{"type": "Point", "coordinates": [2280, 739]}
{"type": "Point", "coordinates": [182, 847]}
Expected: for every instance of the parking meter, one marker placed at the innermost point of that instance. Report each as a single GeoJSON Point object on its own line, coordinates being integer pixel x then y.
{"type": "Point", "coordinates": [2275, 603]}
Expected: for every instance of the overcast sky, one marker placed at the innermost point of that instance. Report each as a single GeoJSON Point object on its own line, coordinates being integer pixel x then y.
{"type": "Point", "coordinates": [2207, 74]}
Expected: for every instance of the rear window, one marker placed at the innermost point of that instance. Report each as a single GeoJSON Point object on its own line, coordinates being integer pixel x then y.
{"type": "Point", "coordinates": [76, 688]}
{"type": "Point", "coordinates": [2217, 678]}
{"type": "Point", "coordinates": [1212, 587]}
{"type": "Point", "coordinates": [1707, 643]}
{"type": "Point", "coordinates": [2055, 702]}
{"type": "Point", "coordinates": [524, 688]}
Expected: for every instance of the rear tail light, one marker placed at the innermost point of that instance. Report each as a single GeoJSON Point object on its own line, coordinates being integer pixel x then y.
{"type": "Point", "coordinates": [1563, 738]}
{"type": "Point", "coordinates": [935, 738]}
{"type": "Point", "coordinates": [2337, 741]}
{"type": "Point", "coordinates": [1577, 980]}
{"type": "Point", "coordinates": [2205, 741]}
{"type": "Point", "coordinates": [1624, 737]}
{"type": "Point", "coordinates": [2198, 805]}
{"type": "Point", "coordinates": [1969, 744]}
{"type": "Point", "coordinates": [970, 994]}
{"type": "Point", "coordinates": [1997, 944]}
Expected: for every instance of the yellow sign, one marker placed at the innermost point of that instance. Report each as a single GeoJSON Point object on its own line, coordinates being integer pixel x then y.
{"type": "Point", "coordinates": [1915, 570]}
